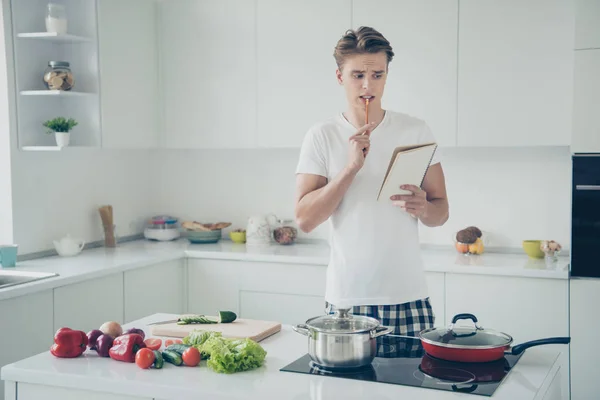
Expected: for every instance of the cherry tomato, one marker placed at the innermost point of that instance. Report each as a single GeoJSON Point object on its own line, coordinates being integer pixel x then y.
{"type": "Point", "coordinates": [169, 342]}
{"type": "Point", "coordinates": [144, 358]}
{"type": "Point", "coordinates": [153, 343]}
{"type": "Point", "coordinates": [191, 357]}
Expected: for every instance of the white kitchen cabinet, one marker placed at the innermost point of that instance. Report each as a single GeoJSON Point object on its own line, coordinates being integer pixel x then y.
{"type": "Point", "coordinates": [515, 72]}
{"type": "Point", "coordinates": [26, 328]}
{"type": "Point", "coordinates": [297, 86]}
{"type": "Point", "coordinates": [436, 282]}
{"type": "Point", "coordinates": [127, 36]}
{"type": "Point", "coordinates": [153, 289]}
{"type": "Point", "coordinates": [87, 305]}
{"type": "Point", "coordinates": [422, 75]}
{"type": "Point", "coordinates": [587, 24]}
{"type": "Point", "coordinates": [208, 73]}
{"type": "Point", "coordinates": [287, 293]}
{"type": "Point", "coordinates": [585, 325]}
{"type": "Point", "coordinates": [525, 308]}
{"type": "Point", "coordinates": [586, 103]}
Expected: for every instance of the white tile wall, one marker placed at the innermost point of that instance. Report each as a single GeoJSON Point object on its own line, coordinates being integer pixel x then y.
{"type": "Point", "coordinates": [514, 194]}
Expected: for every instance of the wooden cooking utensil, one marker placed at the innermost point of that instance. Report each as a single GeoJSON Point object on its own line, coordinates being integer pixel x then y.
{"type": "Point", "coordinates": [106, 214]}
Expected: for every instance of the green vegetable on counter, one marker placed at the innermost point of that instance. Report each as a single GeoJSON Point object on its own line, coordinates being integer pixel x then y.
{"type": "Point", "coordinates": [172, 357]}
{"type": "Point", "coordinates": [226, 355]}
{"type": "Point", "coordinates": [158, 359]}
{"type": "Point", "coordinates": [225, 317]}
{"type": "Point", "coordinates": [178, 348]}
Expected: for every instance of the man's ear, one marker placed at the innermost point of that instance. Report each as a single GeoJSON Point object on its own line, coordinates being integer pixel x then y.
{"type": "Point", "coordinates": [338, 75]}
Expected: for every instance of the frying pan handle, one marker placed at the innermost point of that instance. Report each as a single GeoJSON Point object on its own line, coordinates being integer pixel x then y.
{"type": "Point", "coordinates": [518, 349]}
{"type": "Point", "coordinates": [464, 316]}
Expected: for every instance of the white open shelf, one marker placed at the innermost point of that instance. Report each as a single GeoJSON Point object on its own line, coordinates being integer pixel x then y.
{"type": "Point", "coordinates": [62, 93]}
{"type": "Point", "coordinates": [54, 37]}
{"type": "Point", "coordinates": [41, 148]}
{"type": "Point", "coordinates": [33, 49]}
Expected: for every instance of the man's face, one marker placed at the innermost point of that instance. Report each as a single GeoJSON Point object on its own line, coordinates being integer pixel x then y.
{"type": "Point", "coordinates": [364, 76]}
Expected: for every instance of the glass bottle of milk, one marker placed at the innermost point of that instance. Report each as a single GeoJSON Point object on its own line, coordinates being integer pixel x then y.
{"type": "Point", "coordinates": [56, 19]}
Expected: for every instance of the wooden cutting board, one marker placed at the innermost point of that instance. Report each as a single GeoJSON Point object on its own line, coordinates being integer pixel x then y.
{"type": "Point", "coordinates": [240, 328]}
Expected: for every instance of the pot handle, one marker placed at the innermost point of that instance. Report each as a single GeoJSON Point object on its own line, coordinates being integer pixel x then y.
{"type": "Point", "coordinates": [518, 349]}
{"type": "Point", "coordinates": [301, 329]}
{"type": "Point", "coordinates": [380, 331]}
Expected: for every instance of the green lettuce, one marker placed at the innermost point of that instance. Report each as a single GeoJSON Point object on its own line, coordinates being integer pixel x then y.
{"type": "Point", "coordinates": [227, 355]}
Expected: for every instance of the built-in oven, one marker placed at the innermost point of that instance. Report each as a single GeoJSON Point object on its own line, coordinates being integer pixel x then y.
{"type": "Point", "coordinates": [585, 216]}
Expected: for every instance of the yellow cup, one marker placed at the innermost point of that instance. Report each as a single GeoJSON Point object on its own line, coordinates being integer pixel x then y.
{"type": "Point", "coordinates": [238, 237]}
{"type": "Point", "coordinates": [532, 248]}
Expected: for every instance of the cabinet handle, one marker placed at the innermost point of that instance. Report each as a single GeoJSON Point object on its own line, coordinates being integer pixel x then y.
{"type": "Point", "coordinates": [587, 187]}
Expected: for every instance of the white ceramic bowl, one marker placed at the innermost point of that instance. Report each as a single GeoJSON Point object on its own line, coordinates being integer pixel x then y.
{"type": "Point", "coordinates": [162, 235]}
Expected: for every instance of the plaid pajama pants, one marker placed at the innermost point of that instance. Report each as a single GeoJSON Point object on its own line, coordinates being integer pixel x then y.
{"type": "Point", "coordinates": [406, 319]}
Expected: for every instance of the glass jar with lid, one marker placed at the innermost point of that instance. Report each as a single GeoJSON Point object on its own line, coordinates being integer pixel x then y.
{"type": "Point", "coordinates": [58, 76]}
{"type": "Point", "coordinates": [56, 19]}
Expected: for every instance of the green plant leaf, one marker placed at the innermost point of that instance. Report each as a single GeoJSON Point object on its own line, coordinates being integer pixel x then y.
{"type": "Point", "coordinates": [60, 124]}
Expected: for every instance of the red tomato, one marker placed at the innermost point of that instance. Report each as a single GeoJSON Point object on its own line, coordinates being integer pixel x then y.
{"type": "Point", "coordinates": [169, 342]}
{"type": "Point", "coordinates": [191, 357]}
{"type": "Point", "coordinates": [144, 358]}
{"type": "Point", "coordinates": [153, 343]}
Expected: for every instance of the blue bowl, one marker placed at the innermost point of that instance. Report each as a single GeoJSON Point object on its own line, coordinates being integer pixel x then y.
{"type": "Point", "coordinates": [200, 237]}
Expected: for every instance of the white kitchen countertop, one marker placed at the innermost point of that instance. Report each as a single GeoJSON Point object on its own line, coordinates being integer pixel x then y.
{"type": "Point", "coordinates": [97, 262]}
{"type": "Point", "coordinates": [90, 372]}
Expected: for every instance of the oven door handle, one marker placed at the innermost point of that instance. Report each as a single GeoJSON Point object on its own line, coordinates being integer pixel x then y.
{"type": "Point", "coordinates": [587, 187]}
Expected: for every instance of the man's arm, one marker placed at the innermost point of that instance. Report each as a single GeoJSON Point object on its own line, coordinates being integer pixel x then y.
{"type": "Point", "coordinates": [316, 199]}
{"type": "Point", "coordinates": [437, 209]}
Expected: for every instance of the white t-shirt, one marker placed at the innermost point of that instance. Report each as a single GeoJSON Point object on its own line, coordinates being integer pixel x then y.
{"type": "Point", "coordinates": [375, 255]}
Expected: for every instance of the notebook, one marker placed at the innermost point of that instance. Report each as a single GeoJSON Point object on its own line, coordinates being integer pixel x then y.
{"type": "Point", "coordinates": [408, 166]}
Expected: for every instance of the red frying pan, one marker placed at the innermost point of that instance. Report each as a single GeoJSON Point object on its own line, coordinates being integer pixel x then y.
{"type": "Point", "coordinates": [467, 344]}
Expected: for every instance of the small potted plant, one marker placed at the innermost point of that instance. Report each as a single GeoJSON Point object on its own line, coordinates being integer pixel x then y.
{"type": "Point", "coordinates": [61, 128]}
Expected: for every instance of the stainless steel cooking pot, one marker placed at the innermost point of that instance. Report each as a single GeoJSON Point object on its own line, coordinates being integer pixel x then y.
{"type": "Point", "coordinates": [342, 340]}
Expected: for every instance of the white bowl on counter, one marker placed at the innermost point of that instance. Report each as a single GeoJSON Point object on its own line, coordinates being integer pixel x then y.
{"type": "Point", "coordinates": [163, 235]}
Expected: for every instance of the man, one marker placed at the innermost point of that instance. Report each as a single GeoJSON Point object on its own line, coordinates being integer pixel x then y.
{"type": "Point", "coordinates": [375, 264]}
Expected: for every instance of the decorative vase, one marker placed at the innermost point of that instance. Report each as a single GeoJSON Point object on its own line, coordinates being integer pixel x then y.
{"type": "Point", "coordinates": [62, 138]}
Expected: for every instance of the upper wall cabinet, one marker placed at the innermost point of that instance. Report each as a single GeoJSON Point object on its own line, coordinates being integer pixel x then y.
{"type": "Point", "coordinates": [586, 119]}
{"type": "Point", "coordinates": [55, 58]}
{"type": "Point", "coordinates": [587, 24]}
{"type": "Point", "coordinates": [128, 73]}
{"type": "Point", "coordinates": [515, 72]}
{"type": "Point", "coordinates": [208, 73]}
{"type": "Point", "coordinates": [422, 75]}
{"type": "Point", "coordinates": [297, 86]}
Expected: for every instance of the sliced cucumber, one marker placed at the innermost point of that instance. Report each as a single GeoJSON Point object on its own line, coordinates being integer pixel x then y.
{"type": "Point", "coordinates": [195, 319]}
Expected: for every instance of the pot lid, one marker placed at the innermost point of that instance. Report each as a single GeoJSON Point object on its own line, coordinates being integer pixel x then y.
{"type": "Point", "coordinates": [466, 336]}
{"type": "Point", "coordinates": [342, 322]}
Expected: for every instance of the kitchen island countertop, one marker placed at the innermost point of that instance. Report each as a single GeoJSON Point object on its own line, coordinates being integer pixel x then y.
{"type": "Point", "coordinates": [533, 377]}
{"type": "Point", "coordinates": [97, 262]}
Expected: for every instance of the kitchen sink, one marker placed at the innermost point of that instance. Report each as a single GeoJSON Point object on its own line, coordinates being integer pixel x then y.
{"type": "Point", "coordinates": [11, 278]}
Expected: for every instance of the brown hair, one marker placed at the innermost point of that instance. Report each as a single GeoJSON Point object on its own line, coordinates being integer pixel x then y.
{"type": "Point", "coordinates": [361, 41]}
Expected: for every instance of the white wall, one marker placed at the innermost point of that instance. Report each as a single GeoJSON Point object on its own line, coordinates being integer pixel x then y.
{"type": "Point", "coordinates": [6, 222]}
{"type": "Point", "coordinates": [513, 194]}
{"type": "Point", "coordinates": [56, 193]}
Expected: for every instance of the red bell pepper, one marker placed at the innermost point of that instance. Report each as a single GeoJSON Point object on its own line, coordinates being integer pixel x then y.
{"type": "Point", "coordinates": [69, 343]}
{"type": "Point", "coordinates": [126, 346]}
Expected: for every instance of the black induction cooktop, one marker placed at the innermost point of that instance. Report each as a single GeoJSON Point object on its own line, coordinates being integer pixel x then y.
{"type": "Point", "coordinates": [402, 361]}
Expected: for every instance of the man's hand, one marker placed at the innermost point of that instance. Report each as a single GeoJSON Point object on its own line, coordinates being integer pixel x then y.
{"type": "Point", "coordinates": [360, 143]}
{"type": "Point", "coordinates": [415, 204]}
